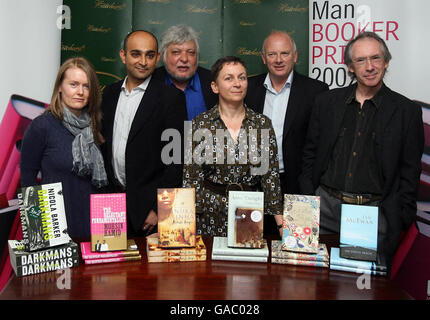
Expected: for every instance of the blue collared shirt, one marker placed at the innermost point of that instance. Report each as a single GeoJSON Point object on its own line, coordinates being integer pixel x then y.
{"type": "Point", "coordinates": [193, 96]}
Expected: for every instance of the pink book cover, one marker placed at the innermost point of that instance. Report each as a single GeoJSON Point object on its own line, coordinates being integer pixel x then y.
{"type": "Point", "coordinates": [110, 260]}
{"type": "Point", "coordinates": [87, 253]}
{"type": "Point", "coordinates": [108, 222]}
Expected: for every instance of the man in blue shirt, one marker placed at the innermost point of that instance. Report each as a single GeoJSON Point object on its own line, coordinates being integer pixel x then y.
{"type": "Point", "coordinates": [180, 52]}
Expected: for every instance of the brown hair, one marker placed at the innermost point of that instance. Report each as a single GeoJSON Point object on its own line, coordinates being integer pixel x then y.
{"type": "Point", "coordinates": [94, 99]}
{"type": "Point", "coordinates": [219, 64]}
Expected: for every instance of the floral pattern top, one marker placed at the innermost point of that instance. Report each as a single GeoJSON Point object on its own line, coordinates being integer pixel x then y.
{"type": "Point", "coordinates": [212, 154]}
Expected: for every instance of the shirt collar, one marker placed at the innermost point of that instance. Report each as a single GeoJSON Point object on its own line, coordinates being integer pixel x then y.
{"type": "Point", "coordinates": [287, 84]}
{"type": "Point", "coordinates": [141, 87]}
{"type": "Point", "coordinates": [376, 99]}
{"type": "Point", "coordinates": [213, 114]}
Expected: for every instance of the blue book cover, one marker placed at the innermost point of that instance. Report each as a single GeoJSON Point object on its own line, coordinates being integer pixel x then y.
{"type": "Point", "coordinates": [359, 232]}
{"type": "Point", "coordinates": [339, 263]}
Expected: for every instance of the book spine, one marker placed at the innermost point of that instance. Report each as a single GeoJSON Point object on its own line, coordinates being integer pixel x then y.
{"type": "Point", "coordinates": [106, 255]}
{"type": "Point", "coordinates": [300, 262]}
{"type": "Point", "coordinates": [177, 258]}
{"type": "Point", "coordinates": [175, 253]}
{"type": "Point", "coordinates": [357, 270]}
{"type": "Point", "coordinates": [349, 263]}
{"type": "Point", "coordinates": [299, 256]}
{"type": "Point", "coordinates": [53, 265]}
{"type": "Point", "coordinates": [117, 259]}
{"type": "Point", "coordinates": [240, 252]}
{"type": "Point", "coordinates": [238, 258]}
{"type": "Point", "coordinates": [22, 258]}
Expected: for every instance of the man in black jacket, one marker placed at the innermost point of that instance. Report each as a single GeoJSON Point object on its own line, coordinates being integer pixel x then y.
{"type": "Point", "coordinates": [136, 112]}
{"type": "Point", "coordinates": [287, 98]}
{"type": "Point", "coordinates": [180, 55]}
{"type": "Point", "coordinates": [364, 146]}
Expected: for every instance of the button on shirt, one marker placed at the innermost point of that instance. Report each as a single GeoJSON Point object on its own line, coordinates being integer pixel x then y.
{"type": "Point", "coordinates": [128, 103]}
{"type": "Point", "coordinates": [275, 107]}
{"type": "Point", "coordinates": [193, 96]}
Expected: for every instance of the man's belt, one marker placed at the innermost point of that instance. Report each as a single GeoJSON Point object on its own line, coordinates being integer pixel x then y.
{"type": "Point", "coordinates": [223, 189]}
{"type": "Point", "coordinates": [352, 198]}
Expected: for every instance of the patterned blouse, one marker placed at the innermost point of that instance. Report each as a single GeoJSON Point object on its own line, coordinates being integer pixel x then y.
{"type": "Point", "coordinates": [251, 160]}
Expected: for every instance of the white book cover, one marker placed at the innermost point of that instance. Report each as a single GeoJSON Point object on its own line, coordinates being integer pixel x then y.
{"type": "Point", "coordinates": [220, 247]}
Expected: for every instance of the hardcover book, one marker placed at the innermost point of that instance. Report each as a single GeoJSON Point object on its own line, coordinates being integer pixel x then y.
{"type": "Point", "coordinates": [359, 232]}
{"type": "Point", "coordinates": [27, 263]}
{"type": "Point", "coordinates": [339, 263]}
{"type": "Point", "coordinates": [131, 250]}
{"type": "Point", "coordinates": [221, 251]}
{"type": "Point", "coordinates": [153, 250]}
{"type": "Point", "coordinates": [245, 219]}
{"type": "Point", "coordinates": [43, 217]}
{"type": "Point", "coordinates": [301, 223]}
{"type": "Point", "coordinates": [321, 256]}
{"type": "Point", "coordinates": [114, 259]}
{"type": "Point", "coordinates": [308, 263]}
{"type": "Point", "coordinates": [108, 222]}
{"type": "Point", "coordinates": [176, 217]}
{"type": "Point", "coordinates": [185, 258]}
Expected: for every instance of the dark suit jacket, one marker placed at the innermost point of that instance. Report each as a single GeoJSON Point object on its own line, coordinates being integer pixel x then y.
{"type": "Point", "coordinates": [161, 108]}
{"type": "Point", "coordinates": [302, 94]}
{"type": "Point", "coordinates": [209, 96]}
{"type": "Point", "coordinates": [400, 143]}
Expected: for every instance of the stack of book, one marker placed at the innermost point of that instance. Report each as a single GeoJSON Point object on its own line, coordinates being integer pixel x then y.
{"type": "Point", "coordinates": [221, 251]}
{"type": "Point", "coordinates": [157, 254]}
{"type": "Point", "coordinates": [130, 254]}
{"type": "Point", "coordinates": [46, 244]}
{"type": "Point", "coordinates": [378, 268]}
{"type": "Point", "coordinates": [319, 259]}
{"type": "Point", "coordinates": [176, 240]}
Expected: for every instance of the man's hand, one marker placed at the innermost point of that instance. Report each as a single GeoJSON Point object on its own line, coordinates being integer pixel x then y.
{"type": "Point", "coordinates": [150, 222]}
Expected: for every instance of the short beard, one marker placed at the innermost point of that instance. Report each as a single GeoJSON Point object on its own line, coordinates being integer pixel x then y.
{"type": "Point", "coordinates": [178, 78]}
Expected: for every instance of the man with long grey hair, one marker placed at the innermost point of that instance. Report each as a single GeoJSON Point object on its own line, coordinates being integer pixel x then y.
{"type": "Point", "coordinates": [179, 50]}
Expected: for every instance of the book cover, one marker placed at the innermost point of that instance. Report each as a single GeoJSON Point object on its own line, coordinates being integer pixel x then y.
{"type": "Point", "coordinates": [321, 256]}
{"type": "Point", "coordinates": [238, 258]}
{"type": "Point", "coordinates": [308, 263]}
{"type": "Point", "coordinates": [43, 217]}
{"type": "Point", "coordinates": [153, 250]}
{"type": "Point", "coordinates": [359, 232]}
{"type": "Point", "coordinates": [301, 223]}
{"type": "Point", "coordinates": [131, 250]}
{"type": "Point", "coordinates": [29, 262]}
{"type": "Point", "coordinates": [108, 222]}
{"type": "Point", "coordinates": [220, 248]}
{"type": "Point", "coordinates": [176, 217]}
{"type": "Point", "coordinates": [245, 219]}
{"type": "Point", "coordinates": [336, 259]}
{"type": "Point", "coordinates": [185, 258]}
{"type": "Point", "coordinates": [114, 259]}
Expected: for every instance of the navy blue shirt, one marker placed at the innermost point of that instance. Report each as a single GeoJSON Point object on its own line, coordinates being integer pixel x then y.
{"type": "Point", "coordinates": [193, 95]}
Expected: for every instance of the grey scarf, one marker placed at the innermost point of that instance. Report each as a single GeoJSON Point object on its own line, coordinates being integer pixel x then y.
{"type": "Point", "coordinates": [87, 158]}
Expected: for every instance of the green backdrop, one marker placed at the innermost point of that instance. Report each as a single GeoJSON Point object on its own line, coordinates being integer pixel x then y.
{"type": "Point", "coordinates": [228, 27]}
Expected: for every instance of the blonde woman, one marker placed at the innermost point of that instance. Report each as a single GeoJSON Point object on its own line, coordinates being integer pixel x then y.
{"type": "Point", "coordinates": [63, 143]}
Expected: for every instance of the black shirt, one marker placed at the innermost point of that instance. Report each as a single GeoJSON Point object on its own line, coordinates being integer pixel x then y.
{"type": "Point", "coordinates": [353, 166]}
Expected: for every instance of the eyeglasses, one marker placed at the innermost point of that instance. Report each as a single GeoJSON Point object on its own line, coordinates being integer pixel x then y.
{"type": "Point", "coordinates": [374, 60]}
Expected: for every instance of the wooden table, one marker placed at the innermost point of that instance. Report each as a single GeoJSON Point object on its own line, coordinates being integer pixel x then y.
{"type": "Point", "coordinates": [207, 280]}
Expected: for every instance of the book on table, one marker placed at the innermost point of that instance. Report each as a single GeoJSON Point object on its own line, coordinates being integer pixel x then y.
{"type": "Point", "coordinates": [108, 222]}
{"type": "Point", "coordinates": [359, 232]}
{"type": "Point", "coordinates": [221, 251]}
{"type": "Point", "coordinates": [245, 219]}
{"type": "Point", "coordinates": [319, 259]}
{"type": "Point", "coordinates": [301, 219]}
{"type": "Point", "coordinates": [378, 267]}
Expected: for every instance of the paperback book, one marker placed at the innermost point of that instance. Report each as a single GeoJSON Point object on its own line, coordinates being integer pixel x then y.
{"type": "Point", "coordinates": [137, 257]}
{"type": "Point", "coordinates": [43, 217]}
{"type": "Point", "coordinates": [221, 251]}
{"type": "Point", "coordinates": [87, 254]}
{"type": "Point", "coordinates": [27, 263]}
{"type": "Point", "coordinates": [245, 219]}
{"type": "Point", "coordinates": [185, 258]}
{"type": "Point", "coordinates": [301, 223]}
{"type": "Point", "coordinates": [358, 266]}
{"type": "Point", "coordinates": [321, 255]}
{"type": "Point", "coordinates": [108, 222]}
{"type": "Point", "coordinates": [176, 217]}
{"type": "Point", "coordinates": [359, 232]}
{"type": "Point", "coordinates": [153, 250]}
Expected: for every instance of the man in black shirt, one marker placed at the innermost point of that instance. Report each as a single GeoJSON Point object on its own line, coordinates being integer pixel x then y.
{"type": "Point", "coordinates": [364, 146]}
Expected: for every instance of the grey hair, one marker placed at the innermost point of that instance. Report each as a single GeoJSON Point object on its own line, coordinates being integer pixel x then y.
{"type": "Point", "coordinates": [282, 32]}
{"type": "Point", "coordinates": [347, 55]}
{"type": "Point", "coordinates": [178, 34]}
